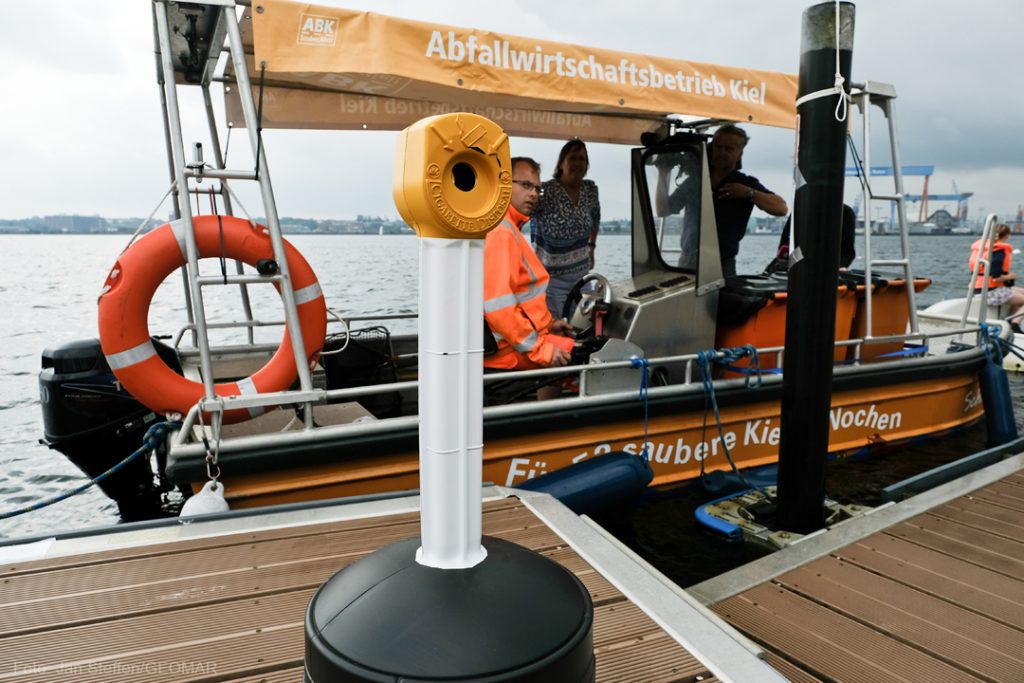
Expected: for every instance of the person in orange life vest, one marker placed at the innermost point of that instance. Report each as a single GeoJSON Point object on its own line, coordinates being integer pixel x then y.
{"type": "Point", "coordinates": [515, 281]}
{"type": "Point", "coordinates": [1000, 277]}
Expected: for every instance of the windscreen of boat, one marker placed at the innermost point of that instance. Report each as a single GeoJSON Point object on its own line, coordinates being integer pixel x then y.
{"type": "Point", "coordinates": [674, 191]}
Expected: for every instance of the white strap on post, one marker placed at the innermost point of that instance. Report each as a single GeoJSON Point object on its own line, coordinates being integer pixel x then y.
{"type": "Point", "coordinates": [837, 87]}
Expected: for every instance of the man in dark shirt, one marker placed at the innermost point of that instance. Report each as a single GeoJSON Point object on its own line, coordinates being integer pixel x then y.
{"type": "Point", "coordinates": [734, 194]}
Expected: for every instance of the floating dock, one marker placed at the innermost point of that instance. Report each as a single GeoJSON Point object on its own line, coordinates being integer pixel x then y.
{"type": "Point", "coordinates": [930, 589]}
{"type": "Point", "coordinates": [224, 600]}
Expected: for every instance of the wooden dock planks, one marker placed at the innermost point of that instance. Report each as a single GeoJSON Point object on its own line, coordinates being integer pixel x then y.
{"type": "Point", "coordinates": [939, 597]}
{"type": "Point", "coordinates": [231, 608]}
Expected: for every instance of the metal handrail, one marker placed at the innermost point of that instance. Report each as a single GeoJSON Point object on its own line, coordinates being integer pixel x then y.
{"type": "Point", "coordinates": [319, 396]}
{"type": "Point", "coordinates": [988, 235]}
{"type": "Point", "coordinates": [253, 323]}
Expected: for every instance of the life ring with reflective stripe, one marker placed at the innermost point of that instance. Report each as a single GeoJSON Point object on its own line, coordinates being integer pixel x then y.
{"type": "Point", "coordinates": [124, 313]}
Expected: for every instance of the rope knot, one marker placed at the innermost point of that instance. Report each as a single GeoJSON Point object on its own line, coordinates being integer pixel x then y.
{"type": "Point", "coordinates": [991, 341]}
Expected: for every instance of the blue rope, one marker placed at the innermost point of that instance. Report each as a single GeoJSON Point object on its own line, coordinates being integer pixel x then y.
{"type": "Point", "coordinates": [906, 351]}
{"type": "Point", "coordinates": [149, 442]}
{"type": "Point", "coordinates": [988, 334]}
{"type": "Point", "coordinates": [705, 359]}
{"type": "Point", "coordinates": [753, 370]}
{"type": "Point", "coordinates": [645, 379]}
{"type": "Point", "coordinates": [1008, 347]}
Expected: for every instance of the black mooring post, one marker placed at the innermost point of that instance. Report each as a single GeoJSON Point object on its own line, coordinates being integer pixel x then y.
{"type": "Point", "coordinates": [811, 303]}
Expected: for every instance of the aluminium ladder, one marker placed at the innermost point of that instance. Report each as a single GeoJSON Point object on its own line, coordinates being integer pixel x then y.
{"type": "Point", "coordinates": [189, 39]}
{"type": "Point", "coordinates": [883, 96]}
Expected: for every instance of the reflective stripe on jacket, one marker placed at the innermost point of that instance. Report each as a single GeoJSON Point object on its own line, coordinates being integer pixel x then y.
{"type": "Point", "coordinates": [1003, 248]}
{"type": "Point", "coordinates": [515, 306]}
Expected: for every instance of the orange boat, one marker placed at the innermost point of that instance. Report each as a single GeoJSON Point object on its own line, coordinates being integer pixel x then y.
{"type": "Point", "coordinates": [349, 425]}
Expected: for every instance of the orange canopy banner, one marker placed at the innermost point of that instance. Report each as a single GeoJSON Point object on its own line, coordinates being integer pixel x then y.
{"type": "Point", "coordinates": [338, 68]}
{"type": "Point", "coordinates": [321, 110]}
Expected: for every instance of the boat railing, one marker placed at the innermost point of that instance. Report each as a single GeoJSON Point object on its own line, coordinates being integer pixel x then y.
{"type": "Point", "coordinates": [689, 361]}
{"type": "Point", "coordinates": [981, 265]}
{"type": "Point", "coordinates": [251, 323]}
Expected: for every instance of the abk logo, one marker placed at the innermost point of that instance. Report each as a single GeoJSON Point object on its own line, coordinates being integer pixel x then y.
{"type": "Point", "coordinates": [318, 30]}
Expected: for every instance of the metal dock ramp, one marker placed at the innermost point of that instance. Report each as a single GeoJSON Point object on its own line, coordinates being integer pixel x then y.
{"type": "Point", "coordinates": [225, 600]}
{"type": "Point", "coordinates": [931, 589]}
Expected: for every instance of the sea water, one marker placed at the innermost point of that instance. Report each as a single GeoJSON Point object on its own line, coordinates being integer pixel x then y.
{"type": "Point", "coordinates": [48, 290]}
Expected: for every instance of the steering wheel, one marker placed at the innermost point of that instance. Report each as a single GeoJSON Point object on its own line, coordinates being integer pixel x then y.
{"type": "Point", "coordinates": [587, 300]}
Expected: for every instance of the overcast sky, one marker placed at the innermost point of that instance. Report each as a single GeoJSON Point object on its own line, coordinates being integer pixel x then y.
{"type": "Point", "coordinates": [80, 125]}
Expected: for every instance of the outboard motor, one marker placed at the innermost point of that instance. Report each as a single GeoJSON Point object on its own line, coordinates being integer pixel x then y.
{"type": "Point", "coordinates": [93, 421]}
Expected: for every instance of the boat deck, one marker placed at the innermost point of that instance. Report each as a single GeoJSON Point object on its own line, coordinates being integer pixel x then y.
{"type": "Point", "coordinates": [230, 606]}
{"type": "Point", "coordinates": [933, 596]}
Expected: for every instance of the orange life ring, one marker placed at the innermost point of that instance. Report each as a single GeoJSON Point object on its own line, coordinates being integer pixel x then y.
{"type": "Point", "coordinates": [128, 291]}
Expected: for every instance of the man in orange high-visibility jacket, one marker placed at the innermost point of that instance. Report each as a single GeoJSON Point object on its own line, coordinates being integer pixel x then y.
{"type": "Point", "coordinates": [515, 282]}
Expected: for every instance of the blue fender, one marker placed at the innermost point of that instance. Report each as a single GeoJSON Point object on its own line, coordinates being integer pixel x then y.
{"type": "Point", "coordinates": [995, 396]}
{"type": "Point", "coordinates": [596, 484]}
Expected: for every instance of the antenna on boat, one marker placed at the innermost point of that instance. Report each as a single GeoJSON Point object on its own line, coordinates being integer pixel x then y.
{"type": "Point", "coordinates": [452, 605]}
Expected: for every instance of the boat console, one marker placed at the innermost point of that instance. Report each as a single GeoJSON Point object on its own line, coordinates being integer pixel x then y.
{"type": "Point", "coordinates": [661, 314]}
{"type": "Point", "coordinates": [669, 306]}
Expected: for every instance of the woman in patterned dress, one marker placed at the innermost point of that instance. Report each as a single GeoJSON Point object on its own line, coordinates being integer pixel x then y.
{"type": "Point", "coordinates": [565, 223]}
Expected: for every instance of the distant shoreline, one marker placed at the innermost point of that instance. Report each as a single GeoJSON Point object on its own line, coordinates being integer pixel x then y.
{"type": "Point", "coordinates": [96, 225]}
{"type": "Point", "coordinates": [128, 233]}
{"type": "Point", "coordinates": [410, 233]}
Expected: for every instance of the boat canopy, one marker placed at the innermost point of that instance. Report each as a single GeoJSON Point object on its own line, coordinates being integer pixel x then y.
{"type": "Point", "coordinates": [331, 68]}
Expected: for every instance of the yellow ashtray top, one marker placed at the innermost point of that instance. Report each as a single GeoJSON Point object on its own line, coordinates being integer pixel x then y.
{"type": "Point", "coordinates": [453, 176]}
